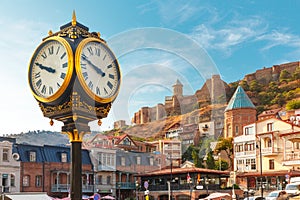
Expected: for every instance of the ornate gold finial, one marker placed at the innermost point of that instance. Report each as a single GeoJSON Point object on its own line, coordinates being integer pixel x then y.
{"type": "Point", "coordinates": [50, 32]}
{"type": "Point", "coordinates": [74, 18]}
{"type": "Point", "coordinates": [51, 122]}
{"type": "Point", "coordinates": [99, 35]}
{"type": "Point", "coordinates": [99, 122]}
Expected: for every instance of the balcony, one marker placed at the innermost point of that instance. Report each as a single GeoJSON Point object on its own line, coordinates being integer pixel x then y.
{"type": "Point", "coordinates": [125, 185]}
{"type": "Point", "coordinates": [291, 158]}
{"type": "Point", "coordinates": [65, 188]}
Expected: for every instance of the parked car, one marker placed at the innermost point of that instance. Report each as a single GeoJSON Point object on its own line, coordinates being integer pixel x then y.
{"type": "Point", "coordinates": [292, 188]}
{"type": "Point", "coordinates": [276, 195]}
{"type": "Point", "coordinates": [254, 198]}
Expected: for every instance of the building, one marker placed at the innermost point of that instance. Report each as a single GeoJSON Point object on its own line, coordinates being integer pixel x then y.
{"type": "Point", "coordinates": [171, 148]}
{"type": "Point", "coordinates": [103, 157]}
{"type": "Point", "coordinates": [265, 153]}
{"type": "Point", "coordinates": [9, 166]}
{"type": "Point", "coordinates": [47, 169]}
{"type": "Point", "coordinates": [185, 182]}
{"type": "Point", "coordinates": [240, 111]}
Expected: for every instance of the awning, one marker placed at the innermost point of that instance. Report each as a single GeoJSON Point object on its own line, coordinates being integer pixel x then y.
{"type": "Point", "coordinates": [28, 196]}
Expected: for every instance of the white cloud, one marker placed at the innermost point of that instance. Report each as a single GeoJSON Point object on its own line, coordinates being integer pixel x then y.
{"type": "Point", "coordinates": [228, 36]}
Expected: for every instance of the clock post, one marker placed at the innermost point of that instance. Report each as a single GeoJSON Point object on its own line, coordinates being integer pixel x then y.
{"type": "Point", "coordinates": [75, 77]}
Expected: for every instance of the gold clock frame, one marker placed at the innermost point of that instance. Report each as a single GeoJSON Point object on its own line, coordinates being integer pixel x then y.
{"type": "Point", "coordinates": [81, 78]}
{"type": "Point", "coordinates": [69, 73]}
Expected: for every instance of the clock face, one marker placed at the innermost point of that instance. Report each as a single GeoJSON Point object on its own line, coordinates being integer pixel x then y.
{"type": "Point", "coordinates": [50, 69]}
{"type": "Point", "coordinates": [98, 70]}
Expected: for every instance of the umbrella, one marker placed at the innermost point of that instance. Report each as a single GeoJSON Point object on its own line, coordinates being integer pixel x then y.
{"type": "Point", "coordinates": [107, 197]}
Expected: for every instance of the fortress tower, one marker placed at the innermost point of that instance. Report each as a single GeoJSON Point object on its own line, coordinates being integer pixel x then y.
{"type": "Point", "coordinates": [239, 112]}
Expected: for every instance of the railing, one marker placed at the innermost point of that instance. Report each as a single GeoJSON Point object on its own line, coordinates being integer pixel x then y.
{"type": "Point", "coordinates": [66, 188]}
{"type": "Point", "coordinates": [293, 156]}
{"type": "Point", "coordinates": [125, 185]}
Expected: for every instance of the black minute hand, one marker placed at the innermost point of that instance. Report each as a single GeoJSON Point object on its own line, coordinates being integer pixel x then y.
{"type": "Point", "coordinates": [98, 70]}
{"type": "Point", "coordinates": [48, 69]}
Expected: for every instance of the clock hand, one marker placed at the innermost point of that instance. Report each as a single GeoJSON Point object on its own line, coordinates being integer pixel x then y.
{"type": "Point", "coordinates": [48, 69]}
{"type": "Point", "coordinates": [98, 70]}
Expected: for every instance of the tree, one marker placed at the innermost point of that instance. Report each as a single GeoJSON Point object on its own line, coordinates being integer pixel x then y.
{"type": "Point", "coordinates": [296, 74]}
{"type": "Point", "coordinates": [226, 145]}
{"type": "Point", "coordinates": [196, 158]}
{"type": "Point", "coordinates": [255, 86]}
{"type": "Point", "coordinates": [224, 165]}
{"type": "Point", "coordinates": [294, 104]}
{"type": "Point", "coordinates": [285, 76]}
{"type": "Point", "coordinates": [210, 161]}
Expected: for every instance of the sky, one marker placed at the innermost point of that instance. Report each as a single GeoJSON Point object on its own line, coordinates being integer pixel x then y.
{"type": "Point", "coordinates": [156, 43]}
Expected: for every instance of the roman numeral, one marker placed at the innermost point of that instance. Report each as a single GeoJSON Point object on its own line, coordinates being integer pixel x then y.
{"type": "Point", "coordinates": [104, 57]}
{"type": "Point", "coordinates": [85, 75]}
{"type": "Point", "coordinates": [109, 85]}
{"type": "Point", "coordinates": [57, 50]}
{"type": "Point", "coordinates": [37, 75]}
{"type": "Point", "coordinates": [83, 66]}
{"type": "Point", "coordinates": [97, 90]}
{"type": "Point", "coordinates": [111, 76]}
{"type": "Point", "coordinates": [63, 55]}
{"type": "Point", "coordinates": [50, 90]}
{"type": "Point", "coordinates": [90, 50]}
{"type": "Point", "coordinates": [109, 66]}
{"type": "Point", "coordinates": [91, 85]}
{"type": "Point", "coordinates": [97, 51]}
{"type": "Point", "coordinates": [58, 85]}
{"type": "Point", "coordinates": [62, 75]}
{"type": "Point", "coordinates": [50, 49]}
{"type": "Point", "coordinates": [65, 65]}
{"type": "Point", "coordinates": [44, 55]}
{"type": "Point", "coordinates": [105, 90]}
{"type": "Point", "coordinates": [44, 89]}
{"type": "Point", "coordinates": [39, 83]}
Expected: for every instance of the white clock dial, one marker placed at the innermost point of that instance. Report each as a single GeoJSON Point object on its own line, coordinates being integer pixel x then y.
{"type": "Point", "coordinates": [49, 69]}
{"type": "Point", "coordinates": [98, 70]}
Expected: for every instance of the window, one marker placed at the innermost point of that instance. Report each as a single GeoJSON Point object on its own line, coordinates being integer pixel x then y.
{"type": "Point", "coordinates": [270, 127]}
{"type": "Point", "coordinates": [271, 164]}
{"type": "Point", "coordinates": [236, 130]}
{"type": "Point", "coordinates": [269, 142]}
{"type": "Point", "coordinates": [249, 147]}
{"type": "Point", "coordinates": [32, 156]}
{"type": "Point", "coordinates": [251, 163]}
{"type": "Point", "coordinates": [5, 155]}
{"type": "Point", "coordinates": [12, 180]}
{"type": "Point", "coordinates": [138, 160]}
{"type": "Point", "coordinates": [64, 157]}
{"type": "Point", "coordinates": [151, 160]}
{"type": "Point", "coordinates": [108, 180]}
{"type": "Point", "coordinates": [123, 161]}
{"type": "Point", "coordinates": [249, 130]}
{"type": "Point", "coordinates": [38, 181]}
{"type": "Point", "coordinates": [239, 148]}
{"type": "Point", "coordinates": [99, 181]}
{"type": "Point", "coordinates": [26, 179]}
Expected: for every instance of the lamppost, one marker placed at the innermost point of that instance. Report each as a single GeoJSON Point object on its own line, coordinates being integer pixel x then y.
{"type": "Point", "coordinates": [261, 181]}
{"type": "Point", "coordinates": [136, 190]}
{"type": "Point", "coordinates": [261, 169]}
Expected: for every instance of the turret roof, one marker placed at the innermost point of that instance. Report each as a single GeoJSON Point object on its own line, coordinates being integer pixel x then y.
{"type": "Point", "coordinates": [239, 100]}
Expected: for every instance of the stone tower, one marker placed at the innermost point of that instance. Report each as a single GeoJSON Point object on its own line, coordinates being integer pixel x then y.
{"type": "Point", "coordinates": [177, 89]}
{"type": "Point", "coordinates": [239, 112]}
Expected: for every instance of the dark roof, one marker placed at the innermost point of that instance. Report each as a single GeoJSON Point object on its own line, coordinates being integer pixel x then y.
{"type": "Point", "coordinates": [239, 100]}
{"type": "Point", "coordinates": [48, 153]}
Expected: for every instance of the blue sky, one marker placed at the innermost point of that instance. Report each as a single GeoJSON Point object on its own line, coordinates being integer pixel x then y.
{"type": "Point", "coordinates": [188, 40]}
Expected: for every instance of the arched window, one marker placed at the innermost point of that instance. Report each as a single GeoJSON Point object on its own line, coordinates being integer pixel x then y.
{"type": "Point", "coordinates": [12, 180]}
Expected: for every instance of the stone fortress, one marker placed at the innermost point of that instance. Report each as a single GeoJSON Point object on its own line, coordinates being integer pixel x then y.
{"type": "Point", "coordinates": [178, 104]}
{"type": "Point", "coordinates": [213, 91]}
